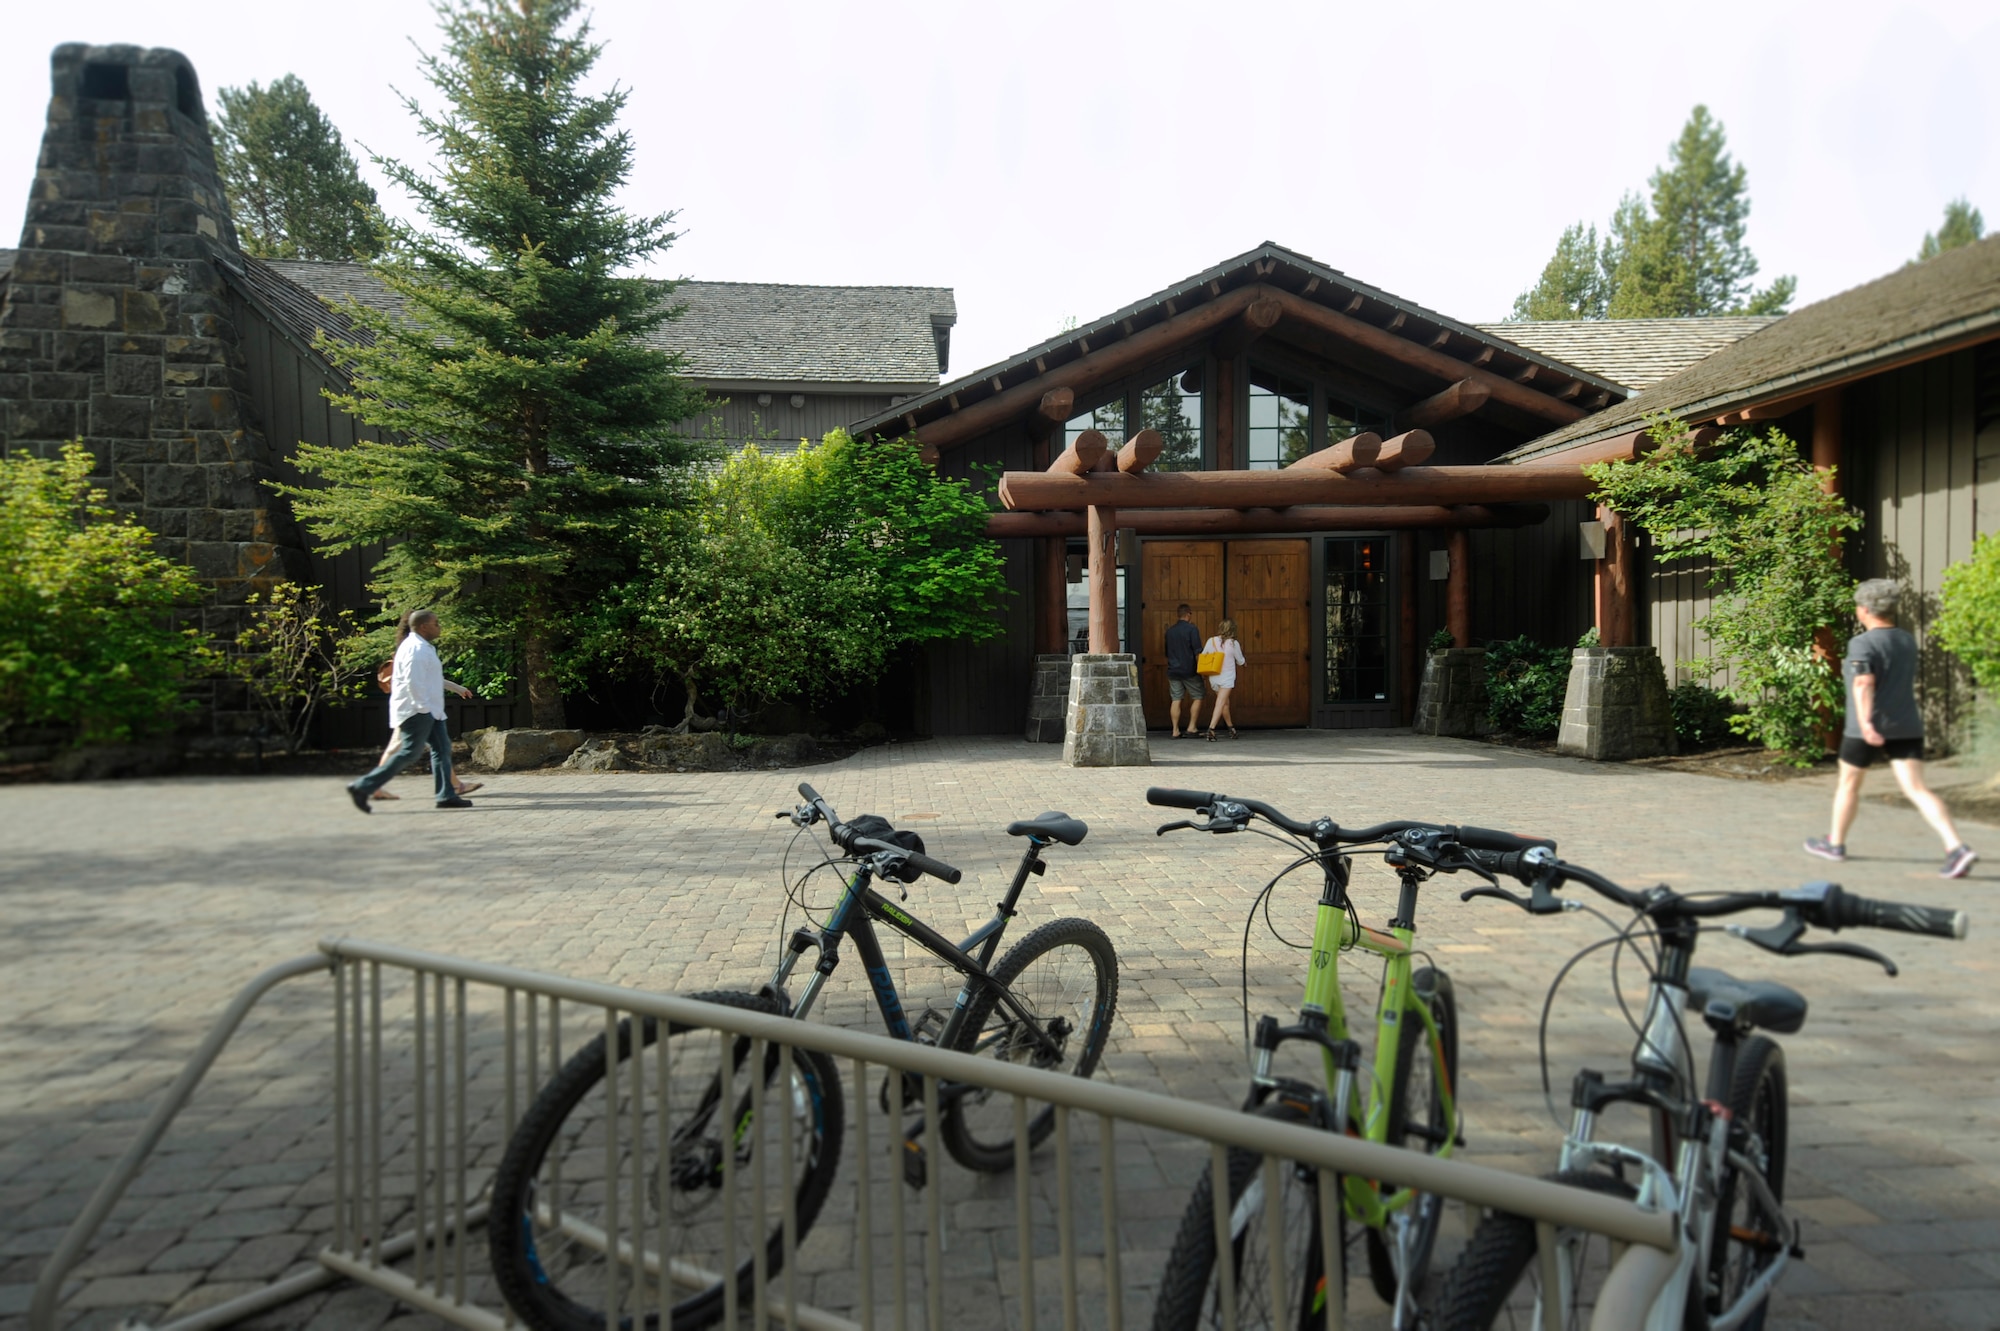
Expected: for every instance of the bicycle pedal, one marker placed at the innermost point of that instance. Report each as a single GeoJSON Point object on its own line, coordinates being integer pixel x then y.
{"type": "Point", "coordinates": [916, 1171]}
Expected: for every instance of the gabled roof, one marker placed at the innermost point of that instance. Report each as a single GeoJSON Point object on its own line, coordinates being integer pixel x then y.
{"type": "Point", "coordinates": [1276, 266]}
{"type": "Point", "coordinates": [1921, 310]}
{"type": "Point", "coordinates": [1637, 353]}
{"type": "Point", "coordinates": [733, 334]}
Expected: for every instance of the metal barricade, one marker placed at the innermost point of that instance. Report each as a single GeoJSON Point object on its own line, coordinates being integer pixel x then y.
{"type": "Point", "coordinates": [437, 1060]}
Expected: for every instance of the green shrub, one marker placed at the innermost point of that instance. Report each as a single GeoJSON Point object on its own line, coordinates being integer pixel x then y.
{"type": "Point", "coordinates": [86, 634]}
{"type": "Point", "coordinates": [1442, 641]}
{"type": "Point", "coordinates": [1701, 715]}
{"type": "Point", "coordinates": [1969, 625]}
{"type": "Point", "coordinates": [1525, 684]}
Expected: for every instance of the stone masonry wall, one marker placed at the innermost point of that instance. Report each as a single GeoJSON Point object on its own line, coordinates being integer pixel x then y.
{"type": "Point", "coordinates": [115, 329]}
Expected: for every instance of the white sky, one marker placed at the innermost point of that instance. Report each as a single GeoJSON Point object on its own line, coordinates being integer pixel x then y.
{"type": "Point", "coordinates": [1049, 160]}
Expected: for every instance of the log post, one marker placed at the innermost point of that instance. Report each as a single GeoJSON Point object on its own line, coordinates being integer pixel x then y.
{"type": "Point", "coordinates": [1225, 415]}
{"type": "Point", "coordinates": [1411, 661]}
{"type": "Point", "coordinates": [1826, 440]}
{"type": "Point", "coordinates": [1615, 585]}
{"type": "Point", "coordinates": [1458, 588]}
{"type": "Point", "coordinates": [1051, 595]}
{"type": "Point", "coordinates": [1103, 536]}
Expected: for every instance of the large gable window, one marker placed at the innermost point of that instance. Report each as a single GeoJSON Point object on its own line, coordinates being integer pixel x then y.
{"type": "Point", "coordinates": [1280, 419]}
{"type": "Point", "coordinates": [1108, 420]}
{"type": "Point", "coordinates": [1174, 409]}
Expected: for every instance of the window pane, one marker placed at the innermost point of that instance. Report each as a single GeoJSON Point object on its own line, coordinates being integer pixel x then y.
{"type": "Point", "coordinates": [1357, 620]}
{"type": "Point", "coordinates": [1174, 409]}
{"type": "Point", "coordinates": [1280, 420]}
{"type": "Point", "coordinates": [1108, 420]}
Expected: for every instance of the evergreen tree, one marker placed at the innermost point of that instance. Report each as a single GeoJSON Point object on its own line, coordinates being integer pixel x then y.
{"type": "Point", "coordinates": [1962, 226]}
{"type": "Point", "coordinates": [1574, 283]}
{"type": "Point", "coordinates": [537, 426]}
{"type": "Point", "coordinates": [293, 189]}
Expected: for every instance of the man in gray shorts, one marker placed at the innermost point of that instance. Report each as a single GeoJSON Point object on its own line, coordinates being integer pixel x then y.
{"type": "Point", "coordinates": [1883, 722]}
{"type": "Point", "coordinates": [1183, 651]}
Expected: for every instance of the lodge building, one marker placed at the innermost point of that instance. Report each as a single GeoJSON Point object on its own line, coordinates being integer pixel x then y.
{"type": "Point", "coordinates": [1342, 472]}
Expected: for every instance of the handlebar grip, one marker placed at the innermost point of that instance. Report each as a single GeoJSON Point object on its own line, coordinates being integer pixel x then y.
{"type": "Point", "coordinates": [808, 794]}
{"type": "Point", "coordinates": [1869, 913]}
{"type": "Point", "coordinates": [1178, 799]}
{"type": "Point", "coordinates": [935, 868]}
{"type": "Point", "coordinates": [1485, 838]}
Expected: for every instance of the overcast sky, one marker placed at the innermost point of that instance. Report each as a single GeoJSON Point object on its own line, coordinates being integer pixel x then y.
{"type": "Point", "coordinates": [1056, 160]}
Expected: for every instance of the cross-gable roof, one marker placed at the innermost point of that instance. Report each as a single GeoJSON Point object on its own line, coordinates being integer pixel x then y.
{"type": "Point", "coordinates": [1453, 349]}
{"type": "Point", "coordinates": [1637, 353]}
{"type": "Point", "coordinates": [1918, 311]}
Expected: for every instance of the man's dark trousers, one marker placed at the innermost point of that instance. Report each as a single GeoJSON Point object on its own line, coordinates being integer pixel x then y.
{"type": "Point", "coordinates": [412, 737]}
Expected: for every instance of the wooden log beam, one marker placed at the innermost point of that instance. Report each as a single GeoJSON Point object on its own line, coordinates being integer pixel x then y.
{"type": "Point", "coordinates": [1092, 369]}
{"type": "Point", "coordinates": [1458, 589]}
{"type": "Point", "coordinates": [1081, 455]}
{"type": "Point", "coordinates": [1461, 399]}
{"type": "Point", "coordinates": [1225, 415]}
{"type": "Point", "coordinates": [1626, 447]}
{"type": "Point", "coordinates": [1140, 451]}
{"type": "Point", "coordinates": [1412, 448]}
{"type": "Point", "coordinates": [1350, 454]}
{"type": "Point", "coordinates": [1102, 531]}
{"type": "Point", "coordinates": [1303, 517]}
{"type": "Point", "coordinates": [1450, 368]}
{"type": "Point", "coordinates": [1282, 489]}
{"type": "Point", "coordinates": [1055, 408]}
{"type": "Point", "coordinates": [1259, 318]}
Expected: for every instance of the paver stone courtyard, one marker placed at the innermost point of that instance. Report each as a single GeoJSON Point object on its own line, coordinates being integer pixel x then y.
{"type": "Point", "coordinates": [133, 911]}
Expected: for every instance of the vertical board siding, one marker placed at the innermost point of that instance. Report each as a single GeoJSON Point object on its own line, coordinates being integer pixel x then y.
{"type": "Point", "coordinates": [981, 688]}
{"type": "Point", "coordinates": [735, 419]}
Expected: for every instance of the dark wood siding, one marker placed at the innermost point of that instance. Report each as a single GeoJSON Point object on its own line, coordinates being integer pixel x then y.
{"type": "Point", "coordinates": [981, 688]}
{"type": "Point", "coordinates": [1525, 580]}
{"type": "Point", "coordinates": [738, 420]}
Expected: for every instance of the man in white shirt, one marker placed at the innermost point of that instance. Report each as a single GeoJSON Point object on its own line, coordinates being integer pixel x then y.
{"type": "Point", "coordinates": [416, 711]}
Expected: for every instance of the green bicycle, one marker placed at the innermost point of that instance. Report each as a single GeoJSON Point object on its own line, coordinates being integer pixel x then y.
{"type": "Point", "coordinates": [1411, 1096]}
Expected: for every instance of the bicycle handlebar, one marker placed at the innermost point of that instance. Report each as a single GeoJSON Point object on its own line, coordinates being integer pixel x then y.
{"type": "Point", "coordinates": [1326, 832]}
{"type": "Point", "coordinates": [1485, 838]}
{"type": "Point", "coordinates": [853, 842]}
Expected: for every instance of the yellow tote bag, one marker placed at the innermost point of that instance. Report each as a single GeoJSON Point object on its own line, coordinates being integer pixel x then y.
{"type": "Point", "coordinates": [1208, 663]}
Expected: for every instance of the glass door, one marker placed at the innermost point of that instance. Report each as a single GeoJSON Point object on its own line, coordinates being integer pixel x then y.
{"type": "Point", "coordinates": [1357, 657]}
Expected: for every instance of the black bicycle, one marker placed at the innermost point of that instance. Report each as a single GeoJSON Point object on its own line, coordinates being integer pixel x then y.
{"type": "Point", "coordinates": [559, 1209]}
{"type": "Point", "coordinates": [1717, 1155]}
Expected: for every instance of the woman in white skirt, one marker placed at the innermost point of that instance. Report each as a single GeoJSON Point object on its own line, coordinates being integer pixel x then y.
{"type": "Point", "coordinates": [1225, 643]}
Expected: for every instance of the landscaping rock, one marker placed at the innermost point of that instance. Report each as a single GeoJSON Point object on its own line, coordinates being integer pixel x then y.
{"type": "Point", "coordinates": [870, 732]}
{"type": "Point", "coordinates": [789, 751]}
{"type": "Point", "coordinates": [599, 755]}
{"type": "Point", "coordinates": [519, 750]}
{"type": "Point", "coordinates": [710, 752]}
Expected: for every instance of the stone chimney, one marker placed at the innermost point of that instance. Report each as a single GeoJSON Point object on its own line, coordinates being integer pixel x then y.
{"type": "Point", "coordinates": [115, 328]}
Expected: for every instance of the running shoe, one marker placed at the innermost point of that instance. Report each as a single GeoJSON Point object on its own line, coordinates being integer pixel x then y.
{"type": "Point", "coordinates": [1959, 863]}
{"type": "Point", "coordinates": [1826, 850]}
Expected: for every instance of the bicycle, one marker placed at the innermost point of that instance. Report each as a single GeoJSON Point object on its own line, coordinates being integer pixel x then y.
{"type": "Point", "coordinates": [1411, 1095]}
{"type": "Point", "coordinates": [1048, 1003]}
{"type": "Point", "coordinates": [1717, 1155]}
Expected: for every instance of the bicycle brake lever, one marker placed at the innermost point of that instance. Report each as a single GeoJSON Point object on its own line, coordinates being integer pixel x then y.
{"type": "Point", "coordinates": [1844, 950]}
{"type": "Point", "coordinates": [1165, 828]}
{"type": "Point", "coordinates": [1499, 893]}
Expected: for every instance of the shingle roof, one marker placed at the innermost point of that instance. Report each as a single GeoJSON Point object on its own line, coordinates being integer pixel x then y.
{"type": "Point", "coordinates": [1635, 352]}
{"type": "Point", "coordinates": [1946, 301]}
{"type": "Point", "coordinates": [732, 333]}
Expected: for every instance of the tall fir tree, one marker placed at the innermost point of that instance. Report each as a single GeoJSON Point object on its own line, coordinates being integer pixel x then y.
{"type": "Point", "coordinates": [1678, 254]}
{"type": "Point", "coordinates": [1962, 226]}
{"type": "Point", "coordinates": [293, 188]}
{"type": "Point", "coordinates": [536, 426]}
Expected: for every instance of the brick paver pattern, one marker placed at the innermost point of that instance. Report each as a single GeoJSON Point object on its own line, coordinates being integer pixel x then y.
{"type": "Point", "coordinates": [133, 911]}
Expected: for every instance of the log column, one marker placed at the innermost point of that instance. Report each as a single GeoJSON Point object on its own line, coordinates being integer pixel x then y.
{"type": "Point", "coordinates": [1411, 668]}
{"type": "Point", "coordinates": [1225, 415]}
{"type": "Point", "coordinates": [1616, 615]}
{"type": "Point", "coordinates": [1103, 536]}
{"type": "Point", "coordinates": [1826, 441]}
{"type": "Point", "coordinates": [1458, 588]}
{"type": "Point", "coordinates": [1051, 552]}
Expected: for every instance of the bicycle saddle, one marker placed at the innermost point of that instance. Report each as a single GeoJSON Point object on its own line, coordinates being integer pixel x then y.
{"type": "Point", "coordinates": [1761, 1003]}
{"type": "Point", "coordinates": [1051, 826]}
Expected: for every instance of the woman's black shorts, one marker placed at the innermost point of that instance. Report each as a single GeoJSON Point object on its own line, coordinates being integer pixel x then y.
{"type": "Point", "coordinates": [1858, 752]}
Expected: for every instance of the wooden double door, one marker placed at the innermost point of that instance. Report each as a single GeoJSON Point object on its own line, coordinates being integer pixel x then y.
{"type": "Point", "coordinates": [1266, 587]}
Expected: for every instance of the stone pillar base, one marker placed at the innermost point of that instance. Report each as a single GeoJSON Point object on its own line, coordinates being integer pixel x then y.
{"type": "Point", "coordinates": [1452, 698]}
{"type": "Point", "coordinates": [1107, 725]}
{"type": "Point", "coordinates": [1616, 705]}
{"type": "Point", "coordinates": [1047, 695]}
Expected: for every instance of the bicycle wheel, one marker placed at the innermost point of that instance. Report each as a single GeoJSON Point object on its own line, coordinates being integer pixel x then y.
{"type": "Point", "coordinates": [1191, 1294]}
{"type": "Point", "coordinates": [570, 1177]}
{"type": "Point", "coordinates": [1065, 977]}
{"type": "Point", "coordinates": [1746, 1240]}
{"type": "Point", "coordinates": [1424, 1070]}
{"type": "Point", "coordinates": [1497, 1282]}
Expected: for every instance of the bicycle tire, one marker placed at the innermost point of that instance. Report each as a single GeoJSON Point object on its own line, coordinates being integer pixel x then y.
{"type": "Point", "coordinates": [547, 1269]}
{"type": "Point", "coordinates": [1757, 1100]}
{"type": "Point", "coordinates": [1423, 1120]}
{"type": "Point", "coordinates": [1190, 1296]}
{"type": "Point", "coordinates": [1496, 1282]}
{"type": "Point", "coordinates": [1074, 990]}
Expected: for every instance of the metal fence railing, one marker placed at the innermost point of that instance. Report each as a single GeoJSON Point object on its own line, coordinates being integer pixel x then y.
{"type": "Point", "coordinates": [438, 1061]}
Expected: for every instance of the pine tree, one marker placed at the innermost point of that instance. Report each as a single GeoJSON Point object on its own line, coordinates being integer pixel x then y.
{"type": "Point", "coordinates": [293, 189]}
{"type": "Point", "coordinates": [1962, 226]}
{"type": "Point", "coordinates": [1574, 283]}
{"type": "Point", "coordinates": [537, 426]}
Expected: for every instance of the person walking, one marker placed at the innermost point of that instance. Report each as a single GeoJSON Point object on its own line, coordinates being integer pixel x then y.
{"type": "Point", "coordinates": [1225, 644]}
{"type": "Point", "coordinates": [416, 710]}
{"type": "Point", "coordinates": [1883, 722]}
{"type": "Point", "coordinates": [1183, 647]}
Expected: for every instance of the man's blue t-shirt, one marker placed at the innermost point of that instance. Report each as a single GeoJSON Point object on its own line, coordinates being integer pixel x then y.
{"type": "Point", "coordinates": [1183, 646]}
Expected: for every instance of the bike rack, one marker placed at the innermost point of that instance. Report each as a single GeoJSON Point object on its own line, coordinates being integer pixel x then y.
{"type": "Point", "coordinates": [467, 1079]}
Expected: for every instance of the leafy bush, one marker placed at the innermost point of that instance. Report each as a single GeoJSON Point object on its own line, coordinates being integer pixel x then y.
{"type": "Point", "coordinates": [1701, 714]}
{"type": "Point", "coordinates": [1525, 684]}
{"type": "Point", "coordinates": [86, 634]}
{"type": "Point", "coordinates": [1969, 625]}
{"type": "Point", "coordinates": [1442, 641]}
{"type": "Point", "coordinates": [1760, 514]}
{"type": "Point", "coordinates": [292, 659]}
